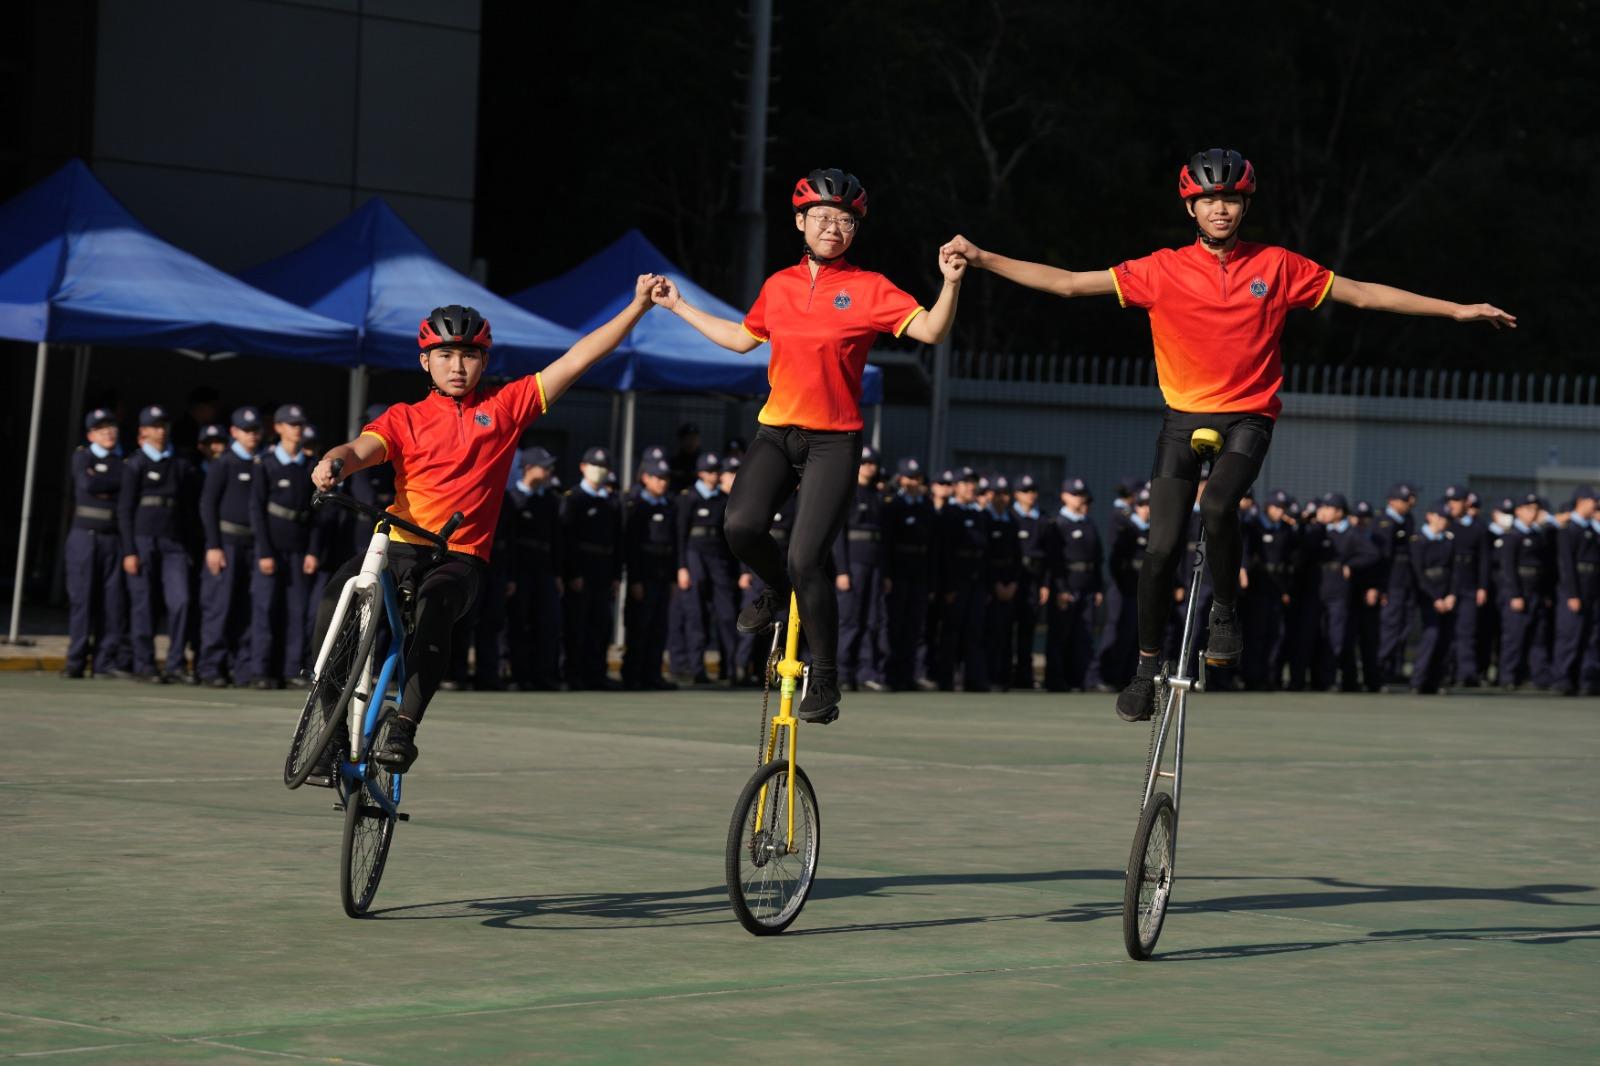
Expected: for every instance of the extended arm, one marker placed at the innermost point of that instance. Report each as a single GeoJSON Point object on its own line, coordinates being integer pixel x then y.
{"type": "Point", "coordinates": [725, 332]}
{"type": "Point", "coordinates": [1034, 275]}
{"type": "Point", "coordinates": [934, 326]}
{"type": "Point", "coordinates": [599, 343]}
{"type": "Point", "coordinates": [1371, 296]}
{"type": "Point", "coordinates": [366, 450]}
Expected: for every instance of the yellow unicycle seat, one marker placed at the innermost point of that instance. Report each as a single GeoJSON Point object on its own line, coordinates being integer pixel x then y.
{"type": "Point", "coordinates": [1207, 443]}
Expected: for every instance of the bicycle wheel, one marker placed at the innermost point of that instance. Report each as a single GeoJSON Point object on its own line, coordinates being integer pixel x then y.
{"type": "Point", "coordinates": [333, 686]}
{"type": "Point", "coordinates": [1147, 886]}
{"type": "Point", "coordinates": [368, 832]}
{"type": "Point", "coordinates": [768, 881]}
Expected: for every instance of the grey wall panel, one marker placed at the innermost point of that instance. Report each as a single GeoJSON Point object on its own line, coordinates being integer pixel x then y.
{"type": "Point", "coordinates": [229, 220]}
{"type": "Point", "coordinates": [227, 85]}
{"type": "Point", "coordinates": [445, 224]}
{"type": "Point", "coordinates": [459, 14]}
{"type": "Point", "coordinates": [419, 109]}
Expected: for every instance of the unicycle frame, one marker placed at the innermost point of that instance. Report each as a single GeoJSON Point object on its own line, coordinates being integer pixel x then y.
{"type": "Point", "coordinates": [1177, 684]}
{"type": "Point", "coordinates": [784, 726]}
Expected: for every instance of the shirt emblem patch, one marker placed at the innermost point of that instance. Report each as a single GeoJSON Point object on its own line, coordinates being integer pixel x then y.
{"type": "Point", "coordinates": [244, 475]}
{"type": "Point", "coordinates": [842, 301]}
{"type": "Point", "coordinates": [1258, 288]}
{"type": "Point", "coordinates": [100, 468]}
{"type": "Point", "coordinates": [1076, 534]}
{"type": "Point", "coordinates": [283, 483]}
{"type": "Point", "coordinates": [482, 418]}
{"type": "Point", "coordinates": [153, 475]}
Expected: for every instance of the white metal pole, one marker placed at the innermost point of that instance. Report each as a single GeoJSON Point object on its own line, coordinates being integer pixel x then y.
{"type": "Point", "coordinates": [753, 157]}
{"type": "Point", "coordinates": [357, 408]}
{"type": "Point", "coordinates": [27, 488]}
{"type": "Point", "coordinates": [877, 428]}
{"type": "Point", "coordinates": [624, 486]}
{"type": "Point", "coordinates": [940, 415]}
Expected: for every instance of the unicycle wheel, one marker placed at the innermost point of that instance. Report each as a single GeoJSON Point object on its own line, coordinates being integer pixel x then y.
{"type": "Point", "coordinates": [769, 873]}
{"type": "Point", "coordinates": [1147, 886]}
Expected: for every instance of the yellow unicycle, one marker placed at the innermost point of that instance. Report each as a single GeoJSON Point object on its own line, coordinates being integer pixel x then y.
{"type": "Point", "coordinates": [776, 833]}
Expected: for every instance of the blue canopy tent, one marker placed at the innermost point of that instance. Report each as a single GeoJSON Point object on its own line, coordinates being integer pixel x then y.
{"type": "Point", "coordinates": [663, 352]}
{"type": "Point", "coordinates": [373, 272]}
{"type": "Point", "coordinates": [77, 268]}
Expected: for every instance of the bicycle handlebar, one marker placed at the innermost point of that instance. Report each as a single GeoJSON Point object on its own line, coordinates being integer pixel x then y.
{"type": "Point", "coordinates": [440, 540]}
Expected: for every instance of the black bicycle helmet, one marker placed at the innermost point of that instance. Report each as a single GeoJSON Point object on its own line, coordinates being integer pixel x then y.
{"type": "Point", "coordinates": [833, 187]}
{"type": "Point", "coordinates": [1217, 170]}
{"type": "Point", "coordinates": [454, 326]}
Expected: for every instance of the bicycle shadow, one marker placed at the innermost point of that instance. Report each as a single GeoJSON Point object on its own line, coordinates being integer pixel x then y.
{"type": "Point", "coordinates": [1530, 935]}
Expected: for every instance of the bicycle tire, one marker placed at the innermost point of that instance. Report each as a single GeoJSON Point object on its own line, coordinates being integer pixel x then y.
{"type": "Point", "coordinates": [320, 719]}
{"type": "Point", "coordinates": [368, 832]}
{"type": "Point", "coordinates": [758, 909]}
{"type": "Point", "coordinates": [1147, 884]}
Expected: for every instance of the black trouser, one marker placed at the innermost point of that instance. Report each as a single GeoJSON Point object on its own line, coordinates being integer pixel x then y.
{"type": "Point", "coordinates": [443, 596]}
{"type": "Point", "coordinates": [779, 459]}
{"type": "Point", "coordinates": [1173, 483]}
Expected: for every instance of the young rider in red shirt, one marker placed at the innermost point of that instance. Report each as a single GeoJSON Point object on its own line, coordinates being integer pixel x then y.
{"type": "Point", "coordinates": [1216, 316]}
{"type": "Point", "coordinates": [820, 318]}
{"type": "Point", "coordinates": [452, 451]}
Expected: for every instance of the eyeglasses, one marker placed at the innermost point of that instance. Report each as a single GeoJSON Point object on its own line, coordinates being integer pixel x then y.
{"type": "Point", "coordinates": [846, 223]}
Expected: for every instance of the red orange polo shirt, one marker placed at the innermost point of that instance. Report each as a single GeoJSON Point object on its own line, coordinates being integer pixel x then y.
{"type": "Point", "coordinates": [451, 455]}
{"type": "Point", "coordinates": [1217, 325]}
{"type": "Point", "coordinates": [821, 330]}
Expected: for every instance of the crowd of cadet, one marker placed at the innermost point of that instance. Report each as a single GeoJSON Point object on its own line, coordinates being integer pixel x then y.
{"type": "Point", "coordinates": [945, 579]}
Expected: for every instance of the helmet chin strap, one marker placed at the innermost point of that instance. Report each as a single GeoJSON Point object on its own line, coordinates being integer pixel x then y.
{"type": "Point", "coordinates": [815, 258]}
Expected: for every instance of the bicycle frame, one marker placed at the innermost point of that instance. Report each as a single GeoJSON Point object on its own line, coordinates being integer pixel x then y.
{"type": "Point", "coordinates": [366, 704]}
{"type": "Point", "coordinates": [791, 670]}
{"type": "Point", "coordinates": [1179, 685]}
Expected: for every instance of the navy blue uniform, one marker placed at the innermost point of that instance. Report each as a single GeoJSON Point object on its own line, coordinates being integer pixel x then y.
{"type": "Point", "coordinates": [1574, 662]}
{"type": "Point", "coordinates": [97, 617]}
{"type": "Point", "coordinates": [1269, 561]}
{"type": "Point", "coordinates": [1025, 607]}
{"type": "Point", "coordinates": [591, 549]}
{"type": "Point", "coordinates": [909, 548]}
{"type": "Point", "coordinates": [533, 615]}
{"type": "Point", "coordinates": [225, 503]}
{"type": "Point", "coordinates": [1391, 535]}
{"type": "Point", "coordinates": [650, 534]}
{"type": "Point", "coordinates": [963, 551]}
{"type": "Point", "coordinates": [1003, 582]}
{"type": "Point", "coordinates": [1433, 568]}
{"type": "Point", "coordinates": [1073, 560]}
{"type": "Point", "coordinates": [1472, 574]}
{"type": "Point", "coordinates": [1119, 640]}
{"type": "Point", "coordinates": [1329, 555]}
{"type": "Point", "coordinates": [1522, 580]}
{"type": "Point", "coordinates": [858, 553]}
{"type": "Point", "coordinates": [1180, 609]}
{"type": "Point", "coordinates": [154, 513]}
{"type": "Point", "coordinates": [708, 609]}
{"type": "Point", "coordinates": [281, 601]}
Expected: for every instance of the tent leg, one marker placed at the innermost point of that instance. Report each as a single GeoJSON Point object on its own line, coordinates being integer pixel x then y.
{"type": "Point", "coordinates": [356, 410]}
{"type": "Point", "coordinates": [27, 488]}
{"type": "Point", "coordinates": [630, 409]}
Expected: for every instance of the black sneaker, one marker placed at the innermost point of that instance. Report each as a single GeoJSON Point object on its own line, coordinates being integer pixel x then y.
{"type": "Point", "coordinates": [763, 612]}
{"type": "Point", "coordinates": [1137, 702]}
{"type": "Point", "coordinates": [821, 704]}
{"type": "Point", "coordinates": [399, 750]}
{"type": "Point", "coordinates": [1225, 643]}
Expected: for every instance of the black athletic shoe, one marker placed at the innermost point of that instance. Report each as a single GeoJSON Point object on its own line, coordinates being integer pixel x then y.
{"type": "Point", "coordinates": [1224, 643]}
{"type": "Point", "coordinates": [763, 612]}
{"type": "Point", "coordinates": [1137, 702]}
{"type": "Point", "coordinates": [399, 749]}
{"type": "Point", "coordinates": [821, 704]}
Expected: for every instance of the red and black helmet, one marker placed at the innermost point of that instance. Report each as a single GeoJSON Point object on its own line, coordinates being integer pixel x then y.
{"type": "Point", "coordinates": [452, 326]}
{"type": "Point", "coordinates": [833, 187]}
{"type": "Point", "coordinates": [1218, 170]}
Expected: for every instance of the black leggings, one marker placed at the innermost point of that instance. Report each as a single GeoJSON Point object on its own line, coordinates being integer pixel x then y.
{"type": "Point", "coordinates": [824, 464]}
{"type": "Point", "coordinates": [1173, 484]}
{"type": "Point", "coordinates": [444, 595]}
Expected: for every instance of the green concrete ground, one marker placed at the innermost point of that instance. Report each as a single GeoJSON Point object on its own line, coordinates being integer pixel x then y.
{"type": "Point", "coordinates": [1368, 878]}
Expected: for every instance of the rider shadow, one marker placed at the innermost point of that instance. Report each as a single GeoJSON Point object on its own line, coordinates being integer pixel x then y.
{"type": "Point", "coordinates": [1530, 935]}
{"type": "Point", "coordinates": [623, 910]}
{"type": "Point", "coordinates": [1341, 893]}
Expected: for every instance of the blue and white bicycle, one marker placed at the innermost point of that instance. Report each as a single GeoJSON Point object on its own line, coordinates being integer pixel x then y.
{"type": "Point", "coordinates": [356, 688]}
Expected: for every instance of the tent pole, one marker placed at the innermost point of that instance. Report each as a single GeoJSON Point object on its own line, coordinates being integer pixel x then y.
{"type": "Point", "coordinates": [877, 428]}
{"type": "Point", "coordinates": [357, 407]}
{"type": "Point", "coordinates": [27, 488]}
{"type": "Point", "coordinates": [624, 486]}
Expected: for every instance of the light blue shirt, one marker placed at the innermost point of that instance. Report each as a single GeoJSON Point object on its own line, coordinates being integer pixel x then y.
{"type": "Point", "coordinates": [1017, 507]}
{"type": "Point", "coordinates": [99, 452]}
{"type": "Point", "coordinates": [1427, 531]}
{"type": "Point", "coordinates": [285, 458]}
{"type": "Point", "coordinates": [1341, 525]}
{"type": "Point", "coordinates": [705, 491]}
{"type": "Point", "coordinates": [1520, 526]}
{"type": "Point", "coordinates": [1390, 511]}
{"type": "Point", "coordinates": [1464, 520]}
{"type": "Point", "coordinates": [997, 515]}
{"type": "Point", "coordinates": [1069, 516]}
{"type": "Point", "coordinates": [599, 493]}
{"type": "Point", "coordinates": [1138, 523]}
{"type": "Point", "coordinates": [155, 456]}
{"type": "Point", "coordinates": [242, 452]}
{"type": "Point", "coordinates": [649, 497]}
